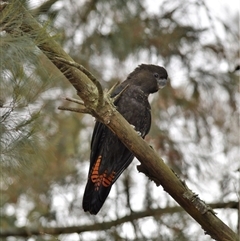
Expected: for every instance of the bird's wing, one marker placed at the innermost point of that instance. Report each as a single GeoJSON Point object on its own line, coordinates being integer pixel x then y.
{"type": "Point", "coordinates": [108, 153]}
{"type": "Point", "coordinates": [98, 136]}
{"type": "Point", "coordinates": [108, 159]}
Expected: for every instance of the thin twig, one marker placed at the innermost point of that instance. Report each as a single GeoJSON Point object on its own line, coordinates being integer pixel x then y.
{"type": "Point", "coordinates": [115, 98]}
{"type": "Point", "coordinates": [78, 110]}
{"type": "Point", "coordinates": [75, 101]}
{"type": "Point", "coordinates": [110, 91]}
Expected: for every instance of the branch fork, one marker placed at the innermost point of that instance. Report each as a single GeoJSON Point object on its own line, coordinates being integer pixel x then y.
{"type": "Point", "coordinates": [103, 96]}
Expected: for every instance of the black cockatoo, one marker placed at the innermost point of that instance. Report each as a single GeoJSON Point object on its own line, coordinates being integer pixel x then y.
{"type": "Point", "coordinates": [109, 157]}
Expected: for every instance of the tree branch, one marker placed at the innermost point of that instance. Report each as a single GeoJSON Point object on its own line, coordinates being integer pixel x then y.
{"type": "Point", "coordinates": [89, 75]}
{"type": "Point", "coordinates": [151, 163]}
{"type": "Point", "coordinates": [28, 231]}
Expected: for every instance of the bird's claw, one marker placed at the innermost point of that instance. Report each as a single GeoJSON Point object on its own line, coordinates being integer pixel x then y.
{"type": "Point", "coordinates": [138, 132]}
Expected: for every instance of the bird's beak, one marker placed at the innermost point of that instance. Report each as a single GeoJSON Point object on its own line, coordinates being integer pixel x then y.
{"type": "Point", "coordinates": [161, 83]}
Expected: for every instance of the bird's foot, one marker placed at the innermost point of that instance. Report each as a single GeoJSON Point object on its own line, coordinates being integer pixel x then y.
{"type": "Point", "coordinates": [138, 132]}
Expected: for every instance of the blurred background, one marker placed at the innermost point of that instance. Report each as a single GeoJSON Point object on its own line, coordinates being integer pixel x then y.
{"type": "Point", "coordinates": [195, 119]}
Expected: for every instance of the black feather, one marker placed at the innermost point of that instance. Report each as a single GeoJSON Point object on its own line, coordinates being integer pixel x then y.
{"type": "Point", "coordinates": [109, 157]}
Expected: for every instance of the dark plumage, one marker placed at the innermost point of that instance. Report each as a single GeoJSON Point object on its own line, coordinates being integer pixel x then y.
{"type": "Point", "coordinates": [109, 157]}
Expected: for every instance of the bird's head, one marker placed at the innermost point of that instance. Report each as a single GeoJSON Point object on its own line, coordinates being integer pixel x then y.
{"type": "Point", "coordinates": [150, 78]}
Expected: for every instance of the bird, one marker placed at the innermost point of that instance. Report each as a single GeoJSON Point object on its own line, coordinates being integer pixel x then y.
{"type": "Point", "coordinates": [109, 157]}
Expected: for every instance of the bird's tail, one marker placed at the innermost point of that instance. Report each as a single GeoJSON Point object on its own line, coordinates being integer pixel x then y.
{"type": "Point", "coordinates": [94, 197]}
{"type": "Point", "coordinates": [97, 188]}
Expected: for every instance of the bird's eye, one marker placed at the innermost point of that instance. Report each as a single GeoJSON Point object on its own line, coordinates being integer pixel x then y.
{"type": "Point", "coordinates": [156, 75]}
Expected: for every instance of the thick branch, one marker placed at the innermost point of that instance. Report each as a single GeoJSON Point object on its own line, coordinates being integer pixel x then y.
{"type": "Point", "coordinates": [28, 231]}
{"type": "Point", "coordinates": [151, 163]}
{"type": "Point", "coordinates": [89, 75]}
{"type": "Point", "coordinates": [80, 81]}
